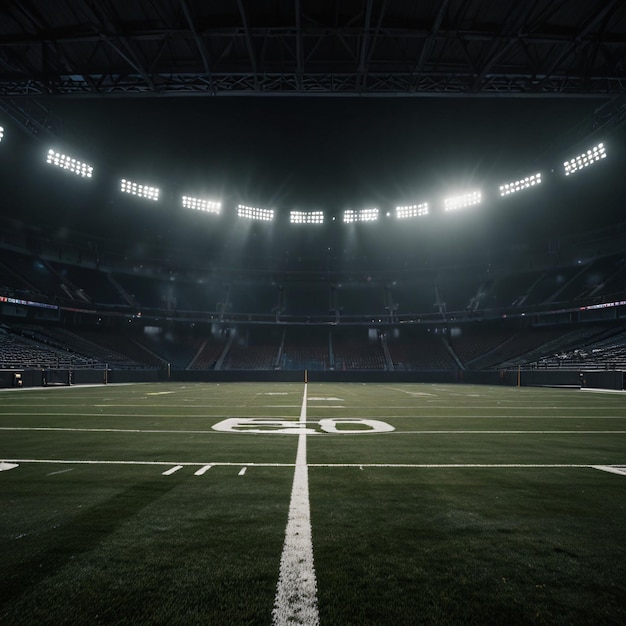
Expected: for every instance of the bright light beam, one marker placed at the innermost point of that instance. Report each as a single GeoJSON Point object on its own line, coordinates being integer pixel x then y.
{"type": "Point", "coordinates": [462, 201]}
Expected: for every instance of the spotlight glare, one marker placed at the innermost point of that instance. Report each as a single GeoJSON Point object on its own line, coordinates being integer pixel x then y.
{"type": "Point", "coordinates": [254, 213]}
{"type": "Point", "coordinates": [306, 217]}
{"type": "Point", "coordinates": [412, 210]}
{"type": "Point", "coordinates": [142, 191]}
{"type": "Point", "coordinates": [362, 215]}
{"type": "Point", "coordinates": [525, 183]}
{"type": "Point", "coordinates": [200, 204]}
{"type": "Point", "coordinates": [1, 132]}
{"type": "Point", "coordinates": [585, 159]}
{"type": "Point", "coordinates": [464, 200]}
{"type": "Point", "coordinates": [70, 164]}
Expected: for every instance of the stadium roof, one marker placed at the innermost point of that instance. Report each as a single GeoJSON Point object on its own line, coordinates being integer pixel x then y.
{"type": "Point", "coordinates": [470, 48]}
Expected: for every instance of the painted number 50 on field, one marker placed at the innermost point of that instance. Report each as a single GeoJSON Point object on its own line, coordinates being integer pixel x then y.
{"type": "Point", "coordinates": [286, 427]}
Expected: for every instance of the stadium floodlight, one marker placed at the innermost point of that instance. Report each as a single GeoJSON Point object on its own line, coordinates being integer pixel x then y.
{"type": "Point", "coordinates": [200, 204]}
{"type": "Point", "coordinates": [524, 183]}
{"type": "Point", "coordinates": [142, 191]}
{"type": "Point", "coordinates": [306, 217]}
{"type": "Point", "coordinates": [362, 215]}
{"type": "Point", "coordinates": [412, 210]}
{"type": "Point", "coordinates": [585, 159]}
{"type": "Point", "coordinates": [1, 133]}
{"type": "Point", "coordinates": [254, 213]}
{"type": "Point", "coordinates": [70, 164]}
{"type": "Point", "coordinates": [464, 200]}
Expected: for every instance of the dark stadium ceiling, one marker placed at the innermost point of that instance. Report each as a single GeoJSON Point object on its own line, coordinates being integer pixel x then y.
{"type": "Point", "coordinates": [463, 48]}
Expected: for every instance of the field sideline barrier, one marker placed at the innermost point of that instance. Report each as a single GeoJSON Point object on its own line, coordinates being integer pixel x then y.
{"type": "Point", "coordinates": [601, 379]}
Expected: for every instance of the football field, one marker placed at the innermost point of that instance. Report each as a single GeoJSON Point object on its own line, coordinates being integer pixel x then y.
{"type": "Point", "coordinates": [331, 504]}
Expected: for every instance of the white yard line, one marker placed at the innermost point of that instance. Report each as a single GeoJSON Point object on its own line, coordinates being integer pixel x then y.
{"type": "Point", "coordinates": [242, 471]}
{"type": "Point", "coordinates": [121, 462]}
{"type": "Point", "coordinates": [396, 432]}
{"type": "Point", "coordinates": [508, 432]}
{"type": "Point", "coordinates": [170, 471]}
{"type": "Point", "coordinates": [296, 593]}
{"type": "Point", "coordinates": [203, 464]}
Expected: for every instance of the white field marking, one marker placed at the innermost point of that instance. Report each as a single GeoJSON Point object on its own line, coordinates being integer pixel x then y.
{"type": "Point", "coordinates": [242, 471]}
{"type": "Point", "coordinates": [511, 432]}
{"type": "Point", "coordinates": [594, 390]}
{"type": "Point", "coordinates": [158, 393]}
{"type": "Point", "coordinates": [172, 470]}
{"type": "Point", "coordinates": [410, 393]}
{"type": "Point", "coordinates": [69, 469]}
{"type": "Point", "coordinates": [181, 463]}
{"type": "Point", "coordinates": [202, 470]}
{"type": "Point", "coordinates": [461, 465]}
{"type": "Point", "coordinates": [5, 467]}
{"type": "Point", "coordinates": [109, 430]}
{"type": "Point", "coordinates": [325, 465]}
{"type": "Point", "coordinates": [275, 393]}
{"type": "Point", "coordinates": [332, 406]}
{"type": "Point", "coordinates": [611, 469]}
{"type": "Point", "coordinates": [326, 400]}
{"type": "Point", "coordinates": [295, 602]}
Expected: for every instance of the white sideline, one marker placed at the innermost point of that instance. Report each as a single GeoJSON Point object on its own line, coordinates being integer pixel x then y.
{"type": "Point", "coordinates": [296, 593]}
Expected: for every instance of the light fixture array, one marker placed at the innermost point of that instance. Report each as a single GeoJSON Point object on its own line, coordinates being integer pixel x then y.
{"type": "Point", "coordinates": [70, 164]}
{"type": "Point", "coordinates": [462, 201]}
{"type": "Point", "coordinates": [524, 183]}
{"type": "Point", "coordinates": [306, 217]}
{"type": "Point", "coordinates": [585, 159]}
{"type": "Point", "coordinates": [362, 215]}
{"type": "Point", "coordinates": [412, 210]}
{"type": "Point", "coordinates": [141, 191]}
{"type": "Point", "coordinates": [254, 213]}
{"type": "Point", "coordinates": [200, 204]}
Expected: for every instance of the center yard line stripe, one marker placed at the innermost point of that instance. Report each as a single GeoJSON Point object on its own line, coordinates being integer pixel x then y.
{"type": "Point", "coordinates": [202, 470]}
{"type": "Point", "coordinates": [296, 593]}
{"type": "Point", "coordinates": [172, 470]}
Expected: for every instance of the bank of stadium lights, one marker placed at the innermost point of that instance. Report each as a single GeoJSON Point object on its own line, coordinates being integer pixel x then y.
{"type": "Point", "coordinates": [141, 191]}
{"type": "Point", "coordinates": [585, 159]}
{"type": "Point", "coordinates": [254, 213]}
{"type": "Point", "coordinates": [412, 210]}
{"type": "Point", "coordinates": [306, 217]}
{"type": "Point", "coordinates": [70, 164]}
{"type": "Point", "coordinates": [200, 204]}
{"type": "Point", "coordinates": [524, 183]}
{"type": "Point", "coordinates": [362, 215]}
{"type": "Point", "coordinates": [462, 201]}
{"type": "Point", "coordinates": [1, 133]}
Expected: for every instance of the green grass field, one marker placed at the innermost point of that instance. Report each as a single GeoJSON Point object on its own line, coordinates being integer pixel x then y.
{"type": "Point", "coordinates": [482, 506]}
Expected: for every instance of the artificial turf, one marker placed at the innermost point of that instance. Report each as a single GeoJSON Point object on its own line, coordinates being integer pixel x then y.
{"type": "Point", "coordinates": [481, 507]}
